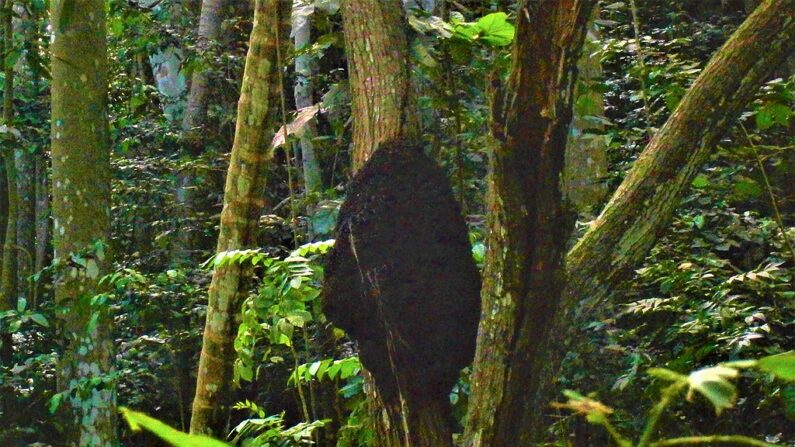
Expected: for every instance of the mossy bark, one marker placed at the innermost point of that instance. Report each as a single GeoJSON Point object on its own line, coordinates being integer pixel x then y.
{"type": "Point", "coordinates": [644, 204]}
{"type": "Point", "coordinates": [527, 224]}
{"type": "Point", "coordinates": [80, 144]}
{"type": "Point", "coordinates": [243, 202]}
{"type": "Point", "coordinates": [382, 106]}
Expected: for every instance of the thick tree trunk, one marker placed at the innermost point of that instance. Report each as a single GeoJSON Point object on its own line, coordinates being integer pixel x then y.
{"type": "Point", "coordinates": [379, 72]}
{"type": "Point", "coordinates": [243, 202]}
{"type": "Point", "coordinates": [81, 211]}
{"type": "Point", "coordinates": [528, 226]}
{"type": "Point", "coordinates": [303, 92]}
{"type": "Point", "coordinates": [644, 204]}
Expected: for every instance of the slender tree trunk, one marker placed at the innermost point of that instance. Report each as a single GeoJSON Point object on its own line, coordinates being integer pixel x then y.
{"type": "Point", "coordinates": [586, 157]}
{"type": "Point", "coordinates": [193, 121]}
{"type": "Point", "coordinates": [303, 91]}
{"type": "Point", "coordinates": [81, 211]}
{"type": "Point", "coordinates": [528, 226]}
{"type": "Point", "coordinates": [382, 108]}
{"type": "Point", "coordinates": [209, 32]}
{"type": "Point", "coordinates": [643, 206]}
{"type": "Point", "coordinates": [43, 255]}
{"type": "Point", "coordinates": [8, 276]}
{"type": "Point", "coordinates": [243, 201]}
{"type": "Point", "coordinates": [22, 25]}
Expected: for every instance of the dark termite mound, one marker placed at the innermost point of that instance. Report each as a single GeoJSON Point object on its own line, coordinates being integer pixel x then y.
{"type": "Point", "coordinates": [401, 280]}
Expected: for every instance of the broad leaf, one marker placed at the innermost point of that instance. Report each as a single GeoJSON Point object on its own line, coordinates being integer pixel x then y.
{"type": "Point", "coordinates": [171, 435]}
{"type": "Point", "coordinates": [780, 365]}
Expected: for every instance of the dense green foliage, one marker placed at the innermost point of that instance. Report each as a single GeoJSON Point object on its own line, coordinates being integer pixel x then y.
{"type": "Point", "coordinates": [718, 287]}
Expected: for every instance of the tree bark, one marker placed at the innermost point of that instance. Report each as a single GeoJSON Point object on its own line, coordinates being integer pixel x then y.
{"type": "Point", "coordinates": [644, 204]}
{"type": "Point", "coordinates": [379, 71]}
{"type": "Point", "coordinates": [528, 226]}
{"type": "Point", "coordinates": [81, 211]}
{"type": "Point", "coordinates": [209, 31]}
{"type": "Point", "coordinates": [243, 201]}
{"type": "Point", "coordinates": [43, 254]}
{"type": "Point", "coordinates": [303, 92]}
{"type": "Point", "coordinates": [8, 276]}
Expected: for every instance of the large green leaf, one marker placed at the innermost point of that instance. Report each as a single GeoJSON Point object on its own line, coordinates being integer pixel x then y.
{"type": "Point", "coordinates": [713, 384]}
{"type": "Point", "coordinates": [780, 365]}
{"type": "Point", "coordinates": [495, 29]}
{"type": "Point", "coordinates": [171, 435]}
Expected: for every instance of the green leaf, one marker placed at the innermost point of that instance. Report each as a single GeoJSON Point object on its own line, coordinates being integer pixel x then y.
{"type": "Point", "coordinates": [172, 436]}
{"type": "Point", "coordinates": [495, 29]}
{"type": "Point", "coordinates": [780, 365]}
{"type": "Point", "coordinates": [21, 305]}
{"type": "Point", "coordinates": [55, 402]}
{"type": "Point", "coordinates": [747, 188]}
{"type": "Point", "coordinates": [701, 181]}
{"type": "Point", "coordinates": [40, 320]}
{"type": "Point", "coordinates": [712, 383]}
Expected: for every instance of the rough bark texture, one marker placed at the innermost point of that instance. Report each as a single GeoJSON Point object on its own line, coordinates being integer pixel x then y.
{"type": "Point", "coordinates": [644, 204]}
{"type": "Point", "coordinates": [303, 92]}
{"type": "Point", "coordinates": [379, 72]}
{"type": "Point", "coordinates": [243, 202]}
{"type": "Point", "coordinates": [81, 212]}
{"type": "Point", "coordinates": [528, 226]}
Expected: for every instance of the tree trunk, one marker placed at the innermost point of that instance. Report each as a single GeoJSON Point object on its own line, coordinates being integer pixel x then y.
{"type": "Point", "coordinates": [379, 73]}
{"type": "Point", "coordinates": [243, 201]}
{"type": "Point", "coordinates": [193, 121]}
{"type": "Point", "coordinates": [209, 32]}
{"type": "Point", "coordinates": [43, 255]}
{"type": "Point", "coordinates": [528, 226]}
{"type": "Point", "coordinates": [8, 276]}
{"type": "Point", "coordinates": [586, 153]}
{"type": "Point", "coordinates": [644, 204]}
{"type": "Point", "coordinates": [25, 165]}
{"type": "Point", "coordinates": [380, 78]}
{"type": "Point", "coordinates": [303, 91]}
{"type": "Point", "coordinates": [81, 211]}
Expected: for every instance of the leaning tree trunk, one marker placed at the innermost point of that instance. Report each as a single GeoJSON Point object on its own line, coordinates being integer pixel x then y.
{"type": "Point", "coordinates": [9, 273]}
{"type": "Point", "coordinates": [243, 201]}
{"type": "Point", "coordinates": [528, 226]}
{"type": "Point", "coordinates": [644, 204]}
{"type": "Point", "coordinates": [379, 71]}
{"type": "Point", "coordinates": [81, 212]}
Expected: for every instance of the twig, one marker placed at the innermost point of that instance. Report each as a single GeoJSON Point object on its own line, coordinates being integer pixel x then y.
{"type": "Point", "coordinates": [770, 193]}
{"type": "Point", "coordinates": [722, 439]}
